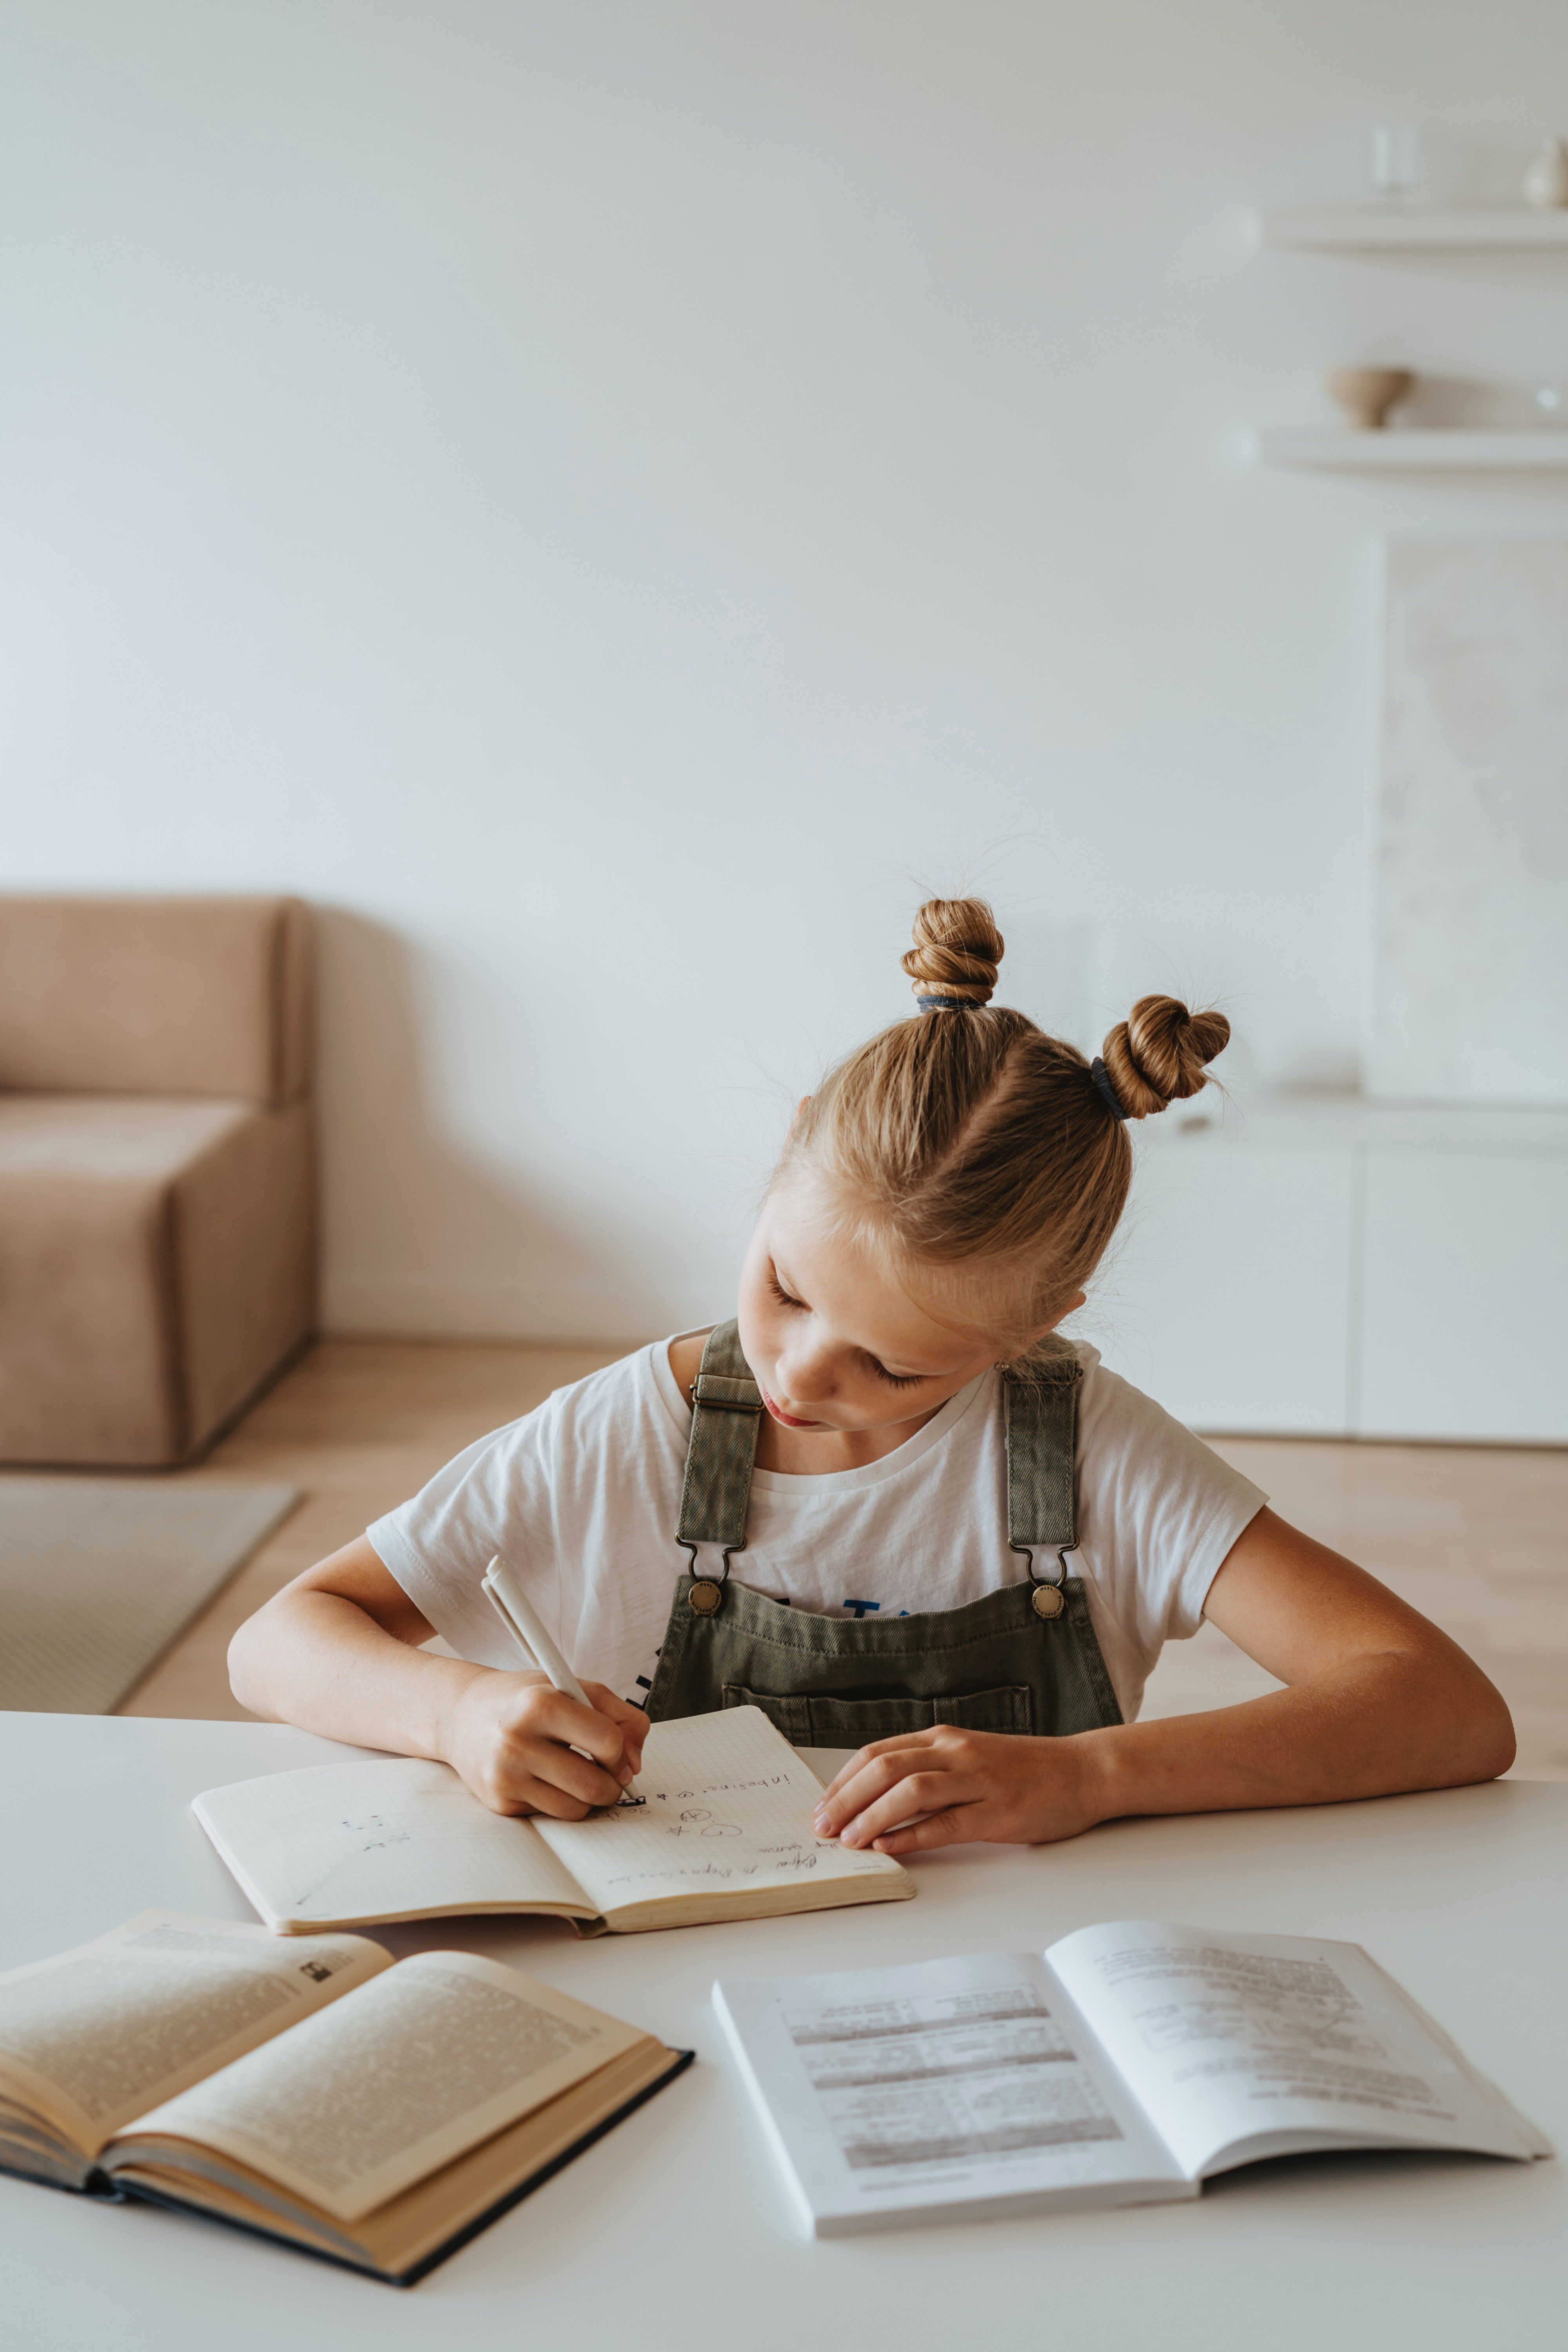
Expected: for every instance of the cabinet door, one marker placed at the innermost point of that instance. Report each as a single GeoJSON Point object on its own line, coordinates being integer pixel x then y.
{"type": "Point", "coordinates": [1466, 1296]}
{"type": "Point", "coordinates": [1228, 1297]}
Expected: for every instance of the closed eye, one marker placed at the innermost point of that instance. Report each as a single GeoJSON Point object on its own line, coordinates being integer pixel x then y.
{"type": "Point", "coordinates": [892, 1380]}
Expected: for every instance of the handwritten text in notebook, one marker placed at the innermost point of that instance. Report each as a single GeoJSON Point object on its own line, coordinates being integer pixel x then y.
{"type": "Point", "coordinates": [722, 1801]}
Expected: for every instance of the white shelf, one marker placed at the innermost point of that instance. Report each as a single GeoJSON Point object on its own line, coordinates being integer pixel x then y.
{"type": "Point", "coordinates": [1396, 452]}
{"type": "Point", "coordinates": [1415, 228]}
{"type": "Point", "coordinates": [1377, 1122]}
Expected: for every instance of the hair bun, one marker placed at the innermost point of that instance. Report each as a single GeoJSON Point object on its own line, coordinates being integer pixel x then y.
{"type": "Point", "coordinates": [956, 952]}
{"type": "Point", "coordinates": [1157, 1056]}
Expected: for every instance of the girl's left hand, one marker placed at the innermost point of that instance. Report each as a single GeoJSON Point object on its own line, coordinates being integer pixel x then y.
{"type": "Point", "coordinates": [946, 1786]}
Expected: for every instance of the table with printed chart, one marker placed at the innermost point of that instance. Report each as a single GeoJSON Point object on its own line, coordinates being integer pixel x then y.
{"type": "Point", "coordinates": [676, 2230]}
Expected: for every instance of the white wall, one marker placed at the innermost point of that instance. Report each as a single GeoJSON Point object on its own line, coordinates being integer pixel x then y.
{"type": "Point", "coordinates": [612, 501]}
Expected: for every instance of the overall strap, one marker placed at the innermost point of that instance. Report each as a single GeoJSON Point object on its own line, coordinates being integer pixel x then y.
{"type": "Point", "coordinates": [1040, 1406]}
{"type": "Point", "coordinates": [726, 1412]}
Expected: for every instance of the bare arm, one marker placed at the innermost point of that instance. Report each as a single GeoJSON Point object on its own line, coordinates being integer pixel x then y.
{"type": "Point", "coordinates": [1376, 1700]}
{"type": "Point", "coordinates": [337, 1652]}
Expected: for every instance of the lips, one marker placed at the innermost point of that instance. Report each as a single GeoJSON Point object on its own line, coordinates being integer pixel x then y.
{"type": "Point", "coordinates": [789, 1419]}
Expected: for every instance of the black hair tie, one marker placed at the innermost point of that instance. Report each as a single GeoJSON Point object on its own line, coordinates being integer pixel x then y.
{"type": "Point", "coordinates": [948, 1004]}
{"type": "Point", "coordinates": [1101, 1076]}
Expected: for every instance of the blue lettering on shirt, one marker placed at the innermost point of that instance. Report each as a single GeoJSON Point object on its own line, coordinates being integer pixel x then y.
{"type": "Point", "coordinates": [860, 1607]}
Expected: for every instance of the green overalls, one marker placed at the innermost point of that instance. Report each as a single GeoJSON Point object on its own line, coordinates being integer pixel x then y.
{"type": "Point", "coordinates": [1023, 1659]}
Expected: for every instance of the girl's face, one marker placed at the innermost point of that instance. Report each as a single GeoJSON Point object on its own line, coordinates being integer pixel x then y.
{"type": "Point", "coordinates": [833, 1342]}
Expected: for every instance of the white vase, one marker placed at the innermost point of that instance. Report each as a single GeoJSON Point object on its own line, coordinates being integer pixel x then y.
{"type": "Point", "coordinates": [1546, 181]}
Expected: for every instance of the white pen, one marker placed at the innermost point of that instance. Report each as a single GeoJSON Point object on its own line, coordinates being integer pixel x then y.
{"type": "Point", "coordinates": [515, 1611]}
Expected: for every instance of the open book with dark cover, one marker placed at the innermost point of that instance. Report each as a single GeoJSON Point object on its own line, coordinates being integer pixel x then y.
{"type": "Point", "coordinates": [373, 2112]}
{"type": "Point", "coordinates": [717, 1825]}
{"type": "Point", "coordinates": [1126, 2064]}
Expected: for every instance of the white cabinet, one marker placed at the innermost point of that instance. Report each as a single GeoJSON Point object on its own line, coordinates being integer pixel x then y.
{"type": "Point", "coordinates": [1229, 1299]}
{"type": "Point", "coordinates": [1350, 1268]}
{"type": "Point", "coordinates": [1465, 1296]}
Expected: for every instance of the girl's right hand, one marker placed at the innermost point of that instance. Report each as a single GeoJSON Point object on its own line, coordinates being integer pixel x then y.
{"type": "Point", "coordinates": [511, 1739]}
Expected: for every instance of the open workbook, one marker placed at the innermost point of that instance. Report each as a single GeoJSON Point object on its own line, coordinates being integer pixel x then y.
{"type": "Point", "coordinates": [717, 1825]}
{"type": "Point", "coordinates": [376, 2113]}
{"type": "Point", "coordinates": [1128, 2064]}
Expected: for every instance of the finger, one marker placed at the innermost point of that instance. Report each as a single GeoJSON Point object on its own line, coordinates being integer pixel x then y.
{"type": "Point", "coordinates": [873, 1748]}
{"type": "Point", "coordinates": [920, 1792]}
{"type": "Point", "coordinates": [955, 1824]}
{"type": "Point", "coordinates": [884, 1772]}
{"type": "Point", "coordinates": [845, 1774]}
{"type": "Point", "coordinates": [569, 1774]}
{"type": "Point", "coordinates": [881, 1773]}
{"type": "Point", "coordinates": [619, 1710]}
{"type": "Point", "coordinates": [633, 1723]}
{"type": "Point", "coordinates": [527, 1756]}
{"type": "Point", "coordinates": [530, 1794]}
{"type": "Point", "coordinates": [551, 1715]}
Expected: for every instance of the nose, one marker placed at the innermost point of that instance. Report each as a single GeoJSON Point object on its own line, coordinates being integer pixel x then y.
{"type": "Point", "coordinates": [805, 1373]}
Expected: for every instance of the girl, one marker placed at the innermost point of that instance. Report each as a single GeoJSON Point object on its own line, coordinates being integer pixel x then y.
{"type": "Point", "coordinates": [918, 1522]}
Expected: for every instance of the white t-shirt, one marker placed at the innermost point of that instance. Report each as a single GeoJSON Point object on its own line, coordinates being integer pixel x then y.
{"type": "Point", "coordinates": [582, 1498]}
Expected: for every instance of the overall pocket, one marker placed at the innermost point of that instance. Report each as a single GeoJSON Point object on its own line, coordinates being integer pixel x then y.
{"type": "Point", "coordinates": [817, 1720]}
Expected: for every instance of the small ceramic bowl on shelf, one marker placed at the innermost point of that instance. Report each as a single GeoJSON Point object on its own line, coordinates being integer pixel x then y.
{"type": "Point", "coordinates": [1369, 394]}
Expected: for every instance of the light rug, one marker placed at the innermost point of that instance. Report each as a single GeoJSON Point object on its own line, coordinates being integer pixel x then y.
{"type": "Point", "coordinates": [98, 1576]}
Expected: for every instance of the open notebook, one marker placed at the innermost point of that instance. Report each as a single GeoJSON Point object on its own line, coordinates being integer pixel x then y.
{"type": "Point", "coordinates": [1129, 2063]}
{"type": "Point", "coordinates": [374, 2113]}
{"type": "Point", "coordinates": [717, 1826]}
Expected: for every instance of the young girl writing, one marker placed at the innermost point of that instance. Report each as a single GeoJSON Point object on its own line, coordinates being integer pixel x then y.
{"type": "Point", "coordinates": [911, 1519]}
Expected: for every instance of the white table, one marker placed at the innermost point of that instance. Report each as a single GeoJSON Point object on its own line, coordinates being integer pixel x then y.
{"type": "Point", "coordinates": [674, 2232]}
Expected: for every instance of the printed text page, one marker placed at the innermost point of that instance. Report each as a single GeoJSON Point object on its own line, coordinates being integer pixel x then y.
{"type": "Point", "coordinates": [1227, 2037]}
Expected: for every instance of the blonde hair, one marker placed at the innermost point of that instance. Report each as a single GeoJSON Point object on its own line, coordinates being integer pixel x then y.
{"type": "Point", "coordinates": [976, 1152]}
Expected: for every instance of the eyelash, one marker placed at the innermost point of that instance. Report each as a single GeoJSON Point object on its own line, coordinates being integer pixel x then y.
{"type": "Point", "coordinates": [893, 1379]}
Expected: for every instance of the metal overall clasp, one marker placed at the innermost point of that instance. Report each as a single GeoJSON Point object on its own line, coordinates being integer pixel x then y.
{"type": "Point", "coordinates": [706, 1593]}
{"type": "Point", "coordinates": [1049, 1596]}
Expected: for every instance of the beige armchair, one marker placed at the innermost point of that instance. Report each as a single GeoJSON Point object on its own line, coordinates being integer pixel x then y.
{"type": "Point", "coordinates": [157, 1182]}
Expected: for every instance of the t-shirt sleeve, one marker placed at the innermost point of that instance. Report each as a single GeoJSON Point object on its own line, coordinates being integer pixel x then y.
{"type": "Point", "coordinates": [496, 1496]}
{"type": "Point", "coordinates": [1160, 1512]}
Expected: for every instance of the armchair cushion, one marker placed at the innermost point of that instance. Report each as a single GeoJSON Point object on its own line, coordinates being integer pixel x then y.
{"type": "Point", "coordinates": [156, 1267]}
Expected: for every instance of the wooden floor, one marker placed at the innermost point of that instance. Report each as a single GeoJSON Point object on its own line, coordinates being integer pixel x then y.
{"type": "Point", "coordinates": [1473, 1535]}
